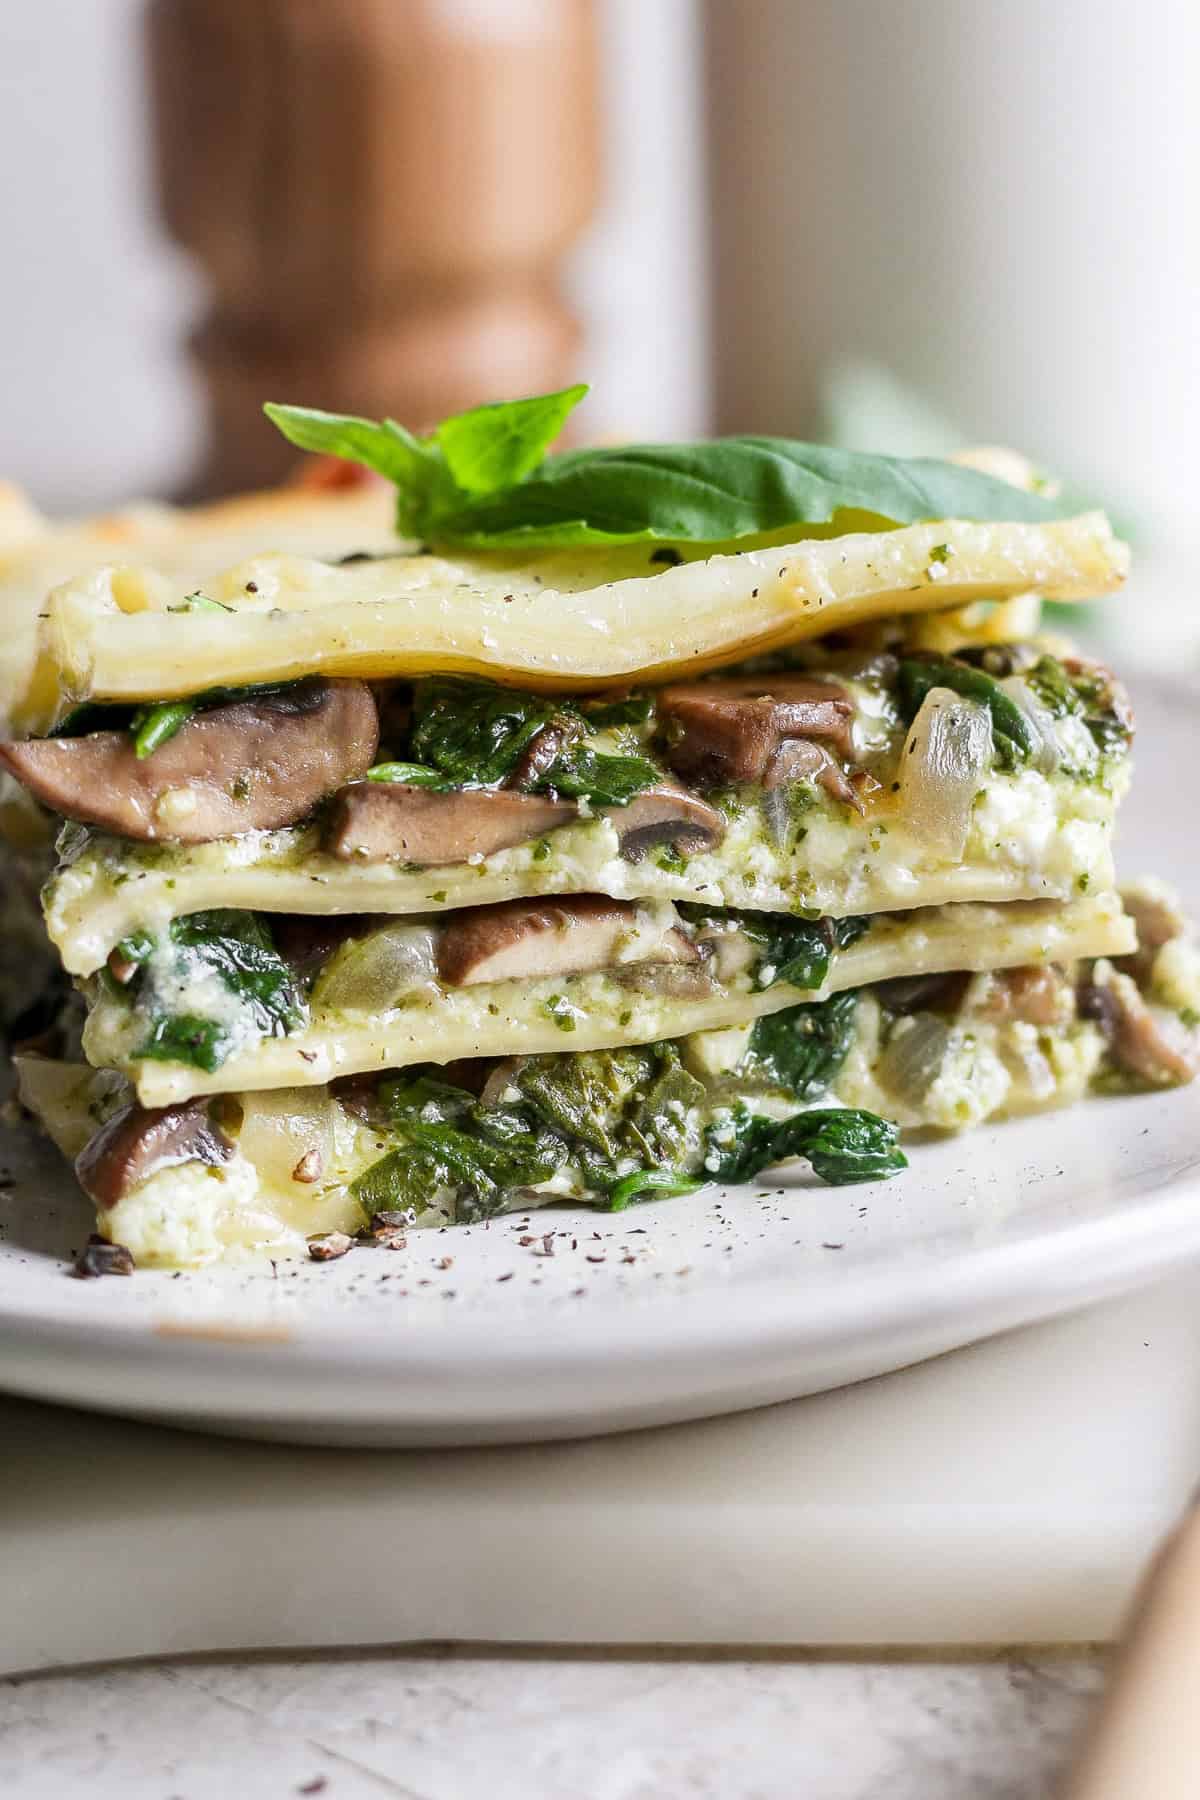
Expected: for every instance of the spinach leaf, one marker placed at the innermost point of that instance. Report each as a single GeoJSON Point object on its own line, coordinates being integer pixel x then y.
{"type": "Point", "coordinates": [480, 479]}
{"type": "Point", "coordinates": [236, 947]}
{"type": "Point", "coordinates": [803, 1049]}
{"type": "Point", "coordinates": [185, 1038]}
{"type": "Point", "coordinates": [842, 1145]}
{"type": "Point", "coordinates": [1089, 692]}
{"type": "Point", "coordinates": [411, 774]}
{"type": "Point", "coordinates": [1053, 687]}
{"type": "Point", "coordinates": [585, 1096]}
{"type": "Point", "coordinates": [604, 780]}
{"type": "Point", "coordinates": [1013, 733]}
{"type": "Point", "coordinates": [797, 951]}
{"type": "Point", "coordinates": [634, 709]}
{"type": "Point", "coordinates": [156, 724]}
{"type": "Point", "coordinates": [449, 1142]}
{"type": "Point", "coordinates": [663, 1184]}
{"type": "Point", "coordinates": [476, 732]}
{"type": "Point", "coordinates": [89, 716]}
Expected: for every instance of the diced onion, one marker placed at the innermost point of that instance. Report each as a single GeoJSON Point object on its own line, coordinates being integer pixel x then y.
{"type": "Point", "coordinates": [280, 1129]}
{"type": "Point", "coordinates": [914, 1057]}
{"type": "Point", "coordinates": [948, 748]}
{"type": "Point", "coordinates": [372, 973]}
{"type": "Point", "coordinates": [1045, 758]}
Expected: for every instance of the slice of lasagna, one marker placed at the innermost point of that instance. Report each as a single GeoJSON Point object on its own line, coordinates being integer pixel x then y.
{"type": "Point", "coordinates": [676, 811]}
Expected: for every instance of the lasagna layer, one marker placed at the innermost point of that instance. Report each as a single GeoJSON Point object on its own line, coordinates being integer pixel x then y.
{"type": "Point", "coordinates": [209, 1012]}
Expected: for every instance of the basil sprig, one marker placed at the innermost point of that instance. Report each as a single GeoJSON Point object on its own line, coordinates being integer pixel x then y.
{"type": "Point", "coordinates": [483, 479]}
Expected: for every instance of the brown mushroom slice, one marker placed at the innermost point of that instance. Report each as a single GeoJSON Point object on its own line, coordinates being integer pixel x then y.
{"type": "Point", "coordinates": [665, 814]}
{"type": "Point", "coordinates": [728, 730]}
{"type": "Point", "coordinates": [542, 752]}
{"type": "Point", "coordinates": [393, 822]}
{"type": "Point", "coordinates": [139, 1140]}
{"type": "Point", "coordinates": [1156, 914]}
{"type": "Point", "coordinates": [252, 765]}
{"type": "Point", "coordinates": [531, 939]}
{"type": "Point", "coordinates": [1139, 1040]}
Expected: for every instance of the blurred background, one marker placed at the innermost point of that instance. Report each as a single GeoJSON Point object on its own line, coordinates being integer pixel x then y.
{"type": "Point", "coordinates": [904, 226]}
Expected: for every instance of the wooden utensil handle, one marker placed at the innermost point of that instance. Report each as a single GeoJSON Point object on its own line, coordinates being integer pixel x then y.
{"type": "Point", "coordinates": [1145, 1743]}
{"type": "Point", "coordinates": [380, 193]}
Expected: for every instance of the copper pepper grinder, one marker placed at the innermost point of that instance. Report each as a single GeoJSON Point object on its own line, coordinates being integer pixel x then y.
{"type": "Point", "coordinates": [380, 193]}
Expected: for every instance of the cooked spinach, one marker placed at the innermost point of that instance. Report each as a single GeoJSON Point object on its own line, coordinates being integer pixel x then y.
{"type": "Point", "coordinates": [794, 950]}
{"type": "Point", "coordinates": [157, 721]}
{"type": "Point", "coordinates": [628, 1124]}
{"type": "Point", "coordinates": [802, 1049]}
{"type": "Point", "coordinates": [475, 732]}
{"type": "Point", "coordinates": [448, 1141]}
{"type": "Point", "coordinates": [634, 709]}
{"type": "Point", "coordinates": [185, 1038]}
{"type": "Point", "coordinates": [842, 1145]}
{"type": "Point", "coordinates": [237, 948]}
{"type": "Point", "coordinates": [581, 773]}
{"type": "Point", "coordinates": [1013, 734]}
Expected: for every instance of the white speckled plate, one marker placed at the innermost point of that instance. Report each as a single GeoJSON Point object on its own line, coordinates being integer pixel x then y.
{"type": "Point", "coordinates": [725, 1299]}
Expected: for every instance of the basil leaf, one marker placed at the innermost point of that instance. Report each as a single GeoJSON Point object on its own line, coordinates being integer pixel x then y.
{"type": "Point", "coordinates": [414, 465]}
{"type": "Point", "coordinates": [481, 481]}
{"type": "Point", "coordinates": [498, 445]}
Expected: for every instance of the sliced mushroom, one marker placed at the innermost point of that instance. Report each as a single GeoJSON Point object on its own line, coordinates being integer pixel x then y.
{"type": "Point", "coordinates": [139, 1140]}
{"type": "Point", "coordinates": [1159, 920]}
{"type": "Point", "coordinates": [1138, 1039]}
{"type": "Point", "coordinates": [536, 938]}
{"type": "Point", "coordinates": [393, 822]}
{"type": "Point", "coordinates": [907, 994]}
{"type": "Point", "coordinates": [1038, 994]}
{"type": "Point", "coordinates": [729, 729]}
{"type": "Point", "coordinates": [542, 752]}
{"type": "Point", "coordinates": [731, 950]}
{"type": "Point", "coordinates": [665, 814]}
{"type": "Point", "coordinates": [669, 981]}
{"type": "Point", "coordinates": [252, 765]}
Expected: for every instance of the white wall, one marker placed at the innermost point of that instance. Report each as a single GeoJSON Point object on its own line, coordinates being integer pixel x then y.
{"type": "Point", "coordinates": [996, 199]}
{"type": "Point", "coordinates": [96, 399]}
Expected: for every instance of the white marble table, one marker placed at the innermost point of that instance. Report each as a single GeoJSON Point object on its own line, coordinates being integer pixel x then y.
{"type": "Point", "coordinates": [452, 1725]}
